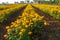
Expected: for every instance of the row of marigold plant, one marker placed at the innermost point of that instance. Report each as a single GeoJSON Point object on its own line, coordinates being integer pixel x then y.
{"type": "Point", "coordinates": [4, 7]}
{"type": "Point", "coordinates": [21, 29]}
{"type": "Point", "coordinates": [52, 10]}
{"type": "Point", "coordinates": [9, 10]}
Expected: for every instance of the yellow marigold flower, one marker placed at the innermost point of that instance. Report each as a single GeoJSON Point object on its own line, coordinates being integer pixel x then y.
{"type": "Point", "coordinates": [7, 27]}
{"type": "Point", "coordinates": [19, 16]}
{"type": "Point", "coordinates": [24, 23]}
{"type": "Point", "coordinates": [12, 26]}
{"type": "Point", "coordinates": [24, 18]}
{"type": "Point", "coordinates": [12, 22]}
{"type": "Point", "coordinates": [16, 25]}
{"type": "Point", "coordinates": [26, 26]}
{"type": "Point", "coordinates": [34, 19]}
{"type": "Point", "coordinates": [31, 22]}
{"type": "Point", "coordinates": [45, 23]}
{"type": "Point", "coordinates": [19, 27]}
{"type": "Point", "coordinates": [42, 17]}
{"type": "Point", "coordinates": [18, 21]}
{"type": "Point", "coordinates": [27, 21]}
{"type": "Point", "coordinates": [20, 33]}
{"type": "Point", "coordinates": [23, 30]}
{"type": "Point", "coordinates": [9, 30]}
{"type": "Point", "coordinates": [29, 33]}
{"type": "Point", "coordinates": [5, 35]}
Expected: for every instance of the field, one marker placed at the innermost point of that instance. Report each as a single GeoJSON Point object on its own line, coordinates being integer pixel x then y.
{"type": "Point", "coordinates": [29, 22]}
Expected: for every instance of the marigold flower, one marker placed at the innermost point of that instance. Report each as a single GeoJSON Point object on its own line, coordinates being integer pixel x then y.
{"type": "Point", "coordinates": [9, 30]}
{"type": "Point", "coordinates": [16, 25]}
{"type": "Point", "coordinates": [29, 33]}
{"type": "Point", "coordinates": [23, 30]}
{"type": "Point", "coordinates": [26, 26]}
{"type": "Point", "coordinates": [13, 23]}
{"type": "Point", "coordinates": [45, 23]}
{"type": "Point", "coordinates": [12, 26]}
{"type": "Point", "coordinates": [5, 35]}
{"type": "Point", "coordinates": [31, 22]}
{"type": "Point", "coordinates": [20, 33]}
{"type": "Point", "coordinates": [7, 27]}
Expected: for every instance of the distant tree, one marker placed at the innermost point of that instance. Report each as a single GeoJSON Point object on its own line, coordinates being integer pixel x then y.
{"type": "Point", "coordinates": [56, 1]}
{"type": "Point", "coordinates": [21, 1]}
{"type": "Point", "coordinates": [31, 2]}
{"type": "Point", "coordinates": [50, 1]}
{"type": "Point", "coordinates": [35, 1]}
{"type": "Point", "coordinates": [39, 2]}
{"type": "Point", "coordinates": [3, 3]}
{"type": "Point", "coordinates": [27, 1]}
{"type": "Point", "coordinates": [59, 2]}
{"type": "Point", "coordinates": [7, 3]}
{"type": "Point", "coordinates": [16, 2]}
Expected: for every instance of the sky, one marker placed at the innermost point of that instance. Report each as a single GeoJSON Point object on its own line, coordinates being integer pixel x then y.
{"type": "Point", "coordinates": [11, 1]}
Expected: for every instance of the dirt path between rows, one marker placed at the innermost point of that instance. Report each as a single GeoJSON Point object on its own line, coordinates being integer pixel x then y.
{"type": "Point", "coordinates": [7, 22]}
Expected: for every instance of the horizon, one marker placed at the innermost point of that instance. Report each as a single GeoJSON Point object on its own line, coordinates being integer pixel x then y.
{"type": "Point", "coordinates": [12, 1]}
